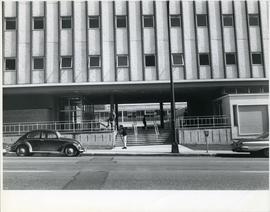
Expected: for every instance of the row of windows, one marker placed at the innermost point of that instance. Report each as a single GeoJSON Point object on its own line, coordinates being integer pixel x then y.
{"type": "Point", "coordinates": [122, 61]}
{"type": "Point", "coordinates": [121, 21]}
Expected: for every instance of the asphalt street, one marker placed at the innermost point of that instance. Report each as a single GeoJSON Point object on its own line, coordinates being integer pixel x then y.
{"type": "Point", "coordinates": [135, 173]}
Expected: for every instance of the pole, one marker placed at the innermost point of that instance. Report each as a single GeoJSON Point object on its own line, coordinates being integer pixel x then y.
{"type": "Point", "coordinates": [173, 132]}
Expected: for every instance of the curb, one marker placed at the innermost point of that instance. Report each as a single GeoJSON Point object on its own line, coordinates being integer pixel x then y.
{"type": "Point", "coordinates": [152, 154]}
{"type": "Point", "coordinates": [138, 154]}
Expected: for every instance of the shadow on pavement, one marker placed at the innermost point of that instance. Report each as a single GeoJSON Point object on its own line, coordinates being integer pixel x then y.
{"type": "Point", "coordinates": [238, 155]}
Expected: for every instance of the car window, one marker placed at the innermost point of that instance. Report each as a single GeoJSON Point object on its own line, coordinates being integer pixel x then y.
{"type": "Point", "coordinates": [51, 135]}
{"type": "Point", "coordinates": [58, 134]}
{"type": "Point", "coordinates": [43, 135]}
{"type": "Point", "coordinates": [35, 134]}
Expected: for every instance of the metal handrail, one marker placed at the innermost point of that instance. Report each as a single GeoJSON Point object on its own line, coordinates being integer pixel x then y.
{"type": "Point", "coordinates": [202, 121]}
{"type": "Point", "coordinates": [65, 127]}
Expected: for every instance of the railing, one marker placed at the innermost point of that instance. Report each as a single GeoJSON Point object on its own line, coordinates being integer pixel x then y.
{"type": "Point", "coordinates": [202, 122]}
{"type": "Point", "coordinates": [64, 127]}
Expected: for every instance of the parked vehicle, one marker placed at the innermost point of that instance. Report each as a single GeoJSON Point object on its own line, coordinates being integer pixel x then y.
{"type": "Point", "coordinates": [259, 145]}
{"type": "Point", "coordinates": [46, 141]}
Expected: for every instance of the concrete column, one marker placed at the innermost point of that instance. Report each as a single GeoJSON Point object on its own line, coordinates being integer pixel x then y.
{"type": "Point", "coordinates": [111, 102]}
{"type": "Point", "coordinates": [116, 112]}
{"type": "Point", "coordinates": [161, 115]}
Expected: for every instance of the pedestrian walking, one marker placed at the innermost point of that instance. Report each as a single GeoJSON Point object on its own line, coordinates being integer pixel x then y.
{"type": "Point", "coordinates": [123, 134]}
{"type": "Point", "coordinates": [144, 122]}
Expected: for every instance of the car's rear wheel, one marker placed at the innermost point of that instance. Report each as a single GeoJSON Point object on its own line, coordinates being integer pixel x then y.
{"type": "Point", "coordinates": [22, 150]}
{"type": "Point", "coordinates": [71, 151]}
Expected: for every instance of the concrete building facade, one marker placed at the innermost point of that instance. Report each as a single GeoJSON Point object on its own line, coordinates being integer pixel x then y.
{"type": "Point", "coordinates": [123, 52]}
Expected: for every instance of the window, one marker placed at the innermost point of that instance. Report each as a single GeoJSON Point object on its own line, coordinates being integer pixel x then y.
{"type": "Point", "coordinates": [35, 134]}
{"type": "Point", "coordinates": [148, 21]}
{"type": "Point", "coordinates": [122, 61]}
{"type": "Point", "coordinates": [177, 59]}
{"type": "Point", "coordinates": [10, 23]}
{"type": "Point", "coordinates": [256, 58]}
{"type": "Point", "coordinates": [66, 62]}
{"type": "Point", "coordinates": [227, 20]}
{"type": "Point", "coordinates": [38, 63]}
{"type": "Point", "coordinates": [94, 61]}
{"type": "Point", "coordinates": [121, 22]}
{"type": "Point", "coordinates": [51, 135]}
{"type": "Point", "coordinates": [66, 22]}
{"type": "Point", "coordinates": [204, 59]}
{"type": "Point", "coordinates": [201, 20]}
{"type": "Point", "coordinates": [38, 23]}
{"type": "Point", "coordinates": [253, 20]}
{"type": "Point", "coordinates": [230, 58]}
{"type": "Point", "coordinates": [93, 22]}
{"type": "Point", "coordinates": [175, 21]}
{"type": "Point", "coordinates": [10, 64]}
{"type": "Point", "coordinates": [150, 60]}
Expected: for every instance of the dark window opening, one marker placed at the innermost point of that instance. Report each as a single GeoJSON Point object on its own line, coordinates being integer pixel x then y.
{"type": "Point", "coordinates": [175, 21]}
{"type": "Point", "coordinates": [150, 60]}
{"type": "Point", "coordinates": [253, 20]}
{"type": "Point", "coordinates": [177, 59]}
{"type": "Point", "coordinates": [94, 22]}
{"type": "Point", "coordinates": [66, 23]}
{"type": "Point", "coordinates": [66, 62]}
{"type": "Point", "coordinates": [38, 63]}
{"type": "Point", "coordinates": [122, 61]}
{"type": "Point", "coordinates": [202, 20]}
{"type": "Point", "coordinates": [148, 21]}
{"type": "Point", "coordinates": [38, 23]}
{"type": "Point", "coordinates": [204, 59]}
{"type": "Point", "coordinates": [10, 23]}
{"type": "Point", "coordinates": [227, 20]}
{"type": "Point", "coordinates": [121, 22]}
{"type": "Point", "coordinates": [94, 61]}
{"type": "Point", "coordinates": [230, 58]}
{"type": "Point", "coordinates": [10, 64]}
{"type": "Point", "coordinates": [256, 58]}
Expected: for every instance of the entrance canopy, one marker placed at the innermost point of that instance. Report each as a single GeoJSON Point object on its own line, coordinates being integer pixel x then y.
{"type": "Point", "coordinates": [136, 92]}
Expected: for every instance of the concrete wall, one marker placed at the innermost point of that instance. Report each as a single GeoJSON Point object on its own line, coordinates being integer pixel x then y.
{"type": "Point", "coordinates": [155, 40]}
{"type": "Point", "coordinates": [196, 136]}
{"type": "Point", "coordinates": [29, 115]}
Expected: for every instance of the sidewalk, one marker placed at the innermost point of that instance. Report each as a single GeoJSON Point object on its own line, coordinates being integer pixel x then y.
{"type": "Point", "coordinates": [156, 150]}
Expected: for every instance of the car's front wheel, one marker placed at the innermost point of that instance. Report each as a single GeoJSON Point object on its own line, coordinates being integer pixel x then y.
{"type": "Point", "coordinates": [71, 151]}
{"type": "Point", "coordinates": [22, 150]}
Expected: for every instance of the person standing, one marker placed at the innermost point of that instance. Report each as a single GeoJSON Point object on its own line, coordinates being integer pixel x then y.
{"type": "Point", "coordinates": [123, 134]}
{"type": "Point", "coordinates": [111, 119]}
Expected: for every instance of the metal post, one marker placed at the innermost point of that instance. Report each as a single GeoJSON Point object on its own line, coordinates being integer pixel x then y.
{"type": "Point", "coordinates": [175, 148]}
{"type": "Point", "coordinates": [206, 134]}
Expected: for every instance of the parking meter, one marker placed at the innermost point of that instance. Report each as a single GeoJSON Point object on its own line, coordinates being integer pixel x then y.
{"type": "Point", "coordinates": [206, 134]}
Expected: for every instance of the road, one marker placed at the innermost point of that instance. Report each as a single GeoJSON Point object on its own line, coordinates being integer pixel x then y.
{"type": "Point", "coordinates": [135, 172]}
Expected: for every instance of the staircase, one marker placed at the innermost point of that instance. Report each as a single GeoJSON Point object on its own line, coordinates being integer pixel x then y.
{"type": "Point", "coordinates": [144, 137]}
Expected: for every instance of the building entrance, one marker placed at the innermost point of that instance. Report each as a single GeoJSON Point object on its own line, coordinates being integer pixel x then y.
{"type": "Point", "coordinates": [75, 110]}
